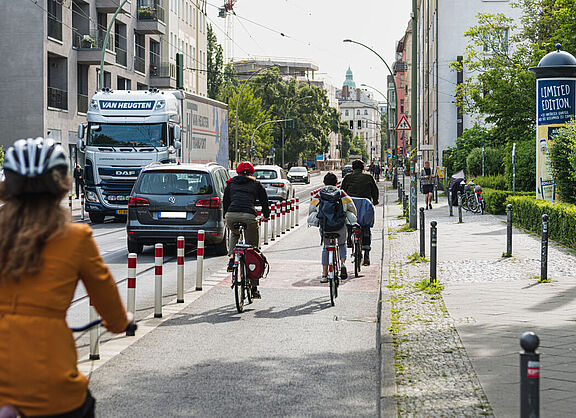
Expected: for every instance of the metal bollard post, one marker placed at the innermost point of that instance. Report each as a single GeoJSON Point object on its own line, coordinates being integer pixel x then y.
{"type": "Point", "coordinates": [94, 335]}
{"type": "Point", "coordinates": [283, 218]}
{"type": "Point", "coordinates": [433, 250]}
{"type": "Point", "coordinates": [278, 219]}
{"type": "Point", "coordinates": [459, 207]}
{"type": "Point", "coordinates": [287, 222]}
{"type": "Point", "coordinates": [200, 260]}
{"type": "Point", "coordinates": [297, 211]}
{"type": "Point", "coordinates": [82, 206]}
{"type": "Point", "coordinates": [529, 376]}
{"type": "Point", "coordinates": [70, 203]}
{"type": "Point", "coordinates": [544, 254]}
{"type": "Point", "coordinates": [509, 230]}
{"type": "Point", "coordinates": [422, 233]}
{"type": "Point", "coordinates": [292, 212]}
{"type": "Point", "coordinates": [158, 264]}
{"type": "Point", "coordinates": [265, 232]}
{"type": "Point", "coordinates": [272, 222]}
{"type": "Point", "coordinates": [405, 206]}
{"type": "Point", "coordinates": [131, 296]}
{"type": "Point", "coordinates": [260, 230]}
{"type": "Point", "coordinates": [180, 245]}
{"type": "Point", "coordinates": [435, 193]}
{"type": "Point", "coordinates": [450, 202]}
{"type": "Point", "coordinates": [399, 192]}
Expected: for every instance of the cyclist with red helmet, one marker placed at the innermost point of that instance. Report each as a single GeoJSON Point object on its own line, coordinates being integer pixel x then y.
{"type": "Point", "coordinates": [240, 197]}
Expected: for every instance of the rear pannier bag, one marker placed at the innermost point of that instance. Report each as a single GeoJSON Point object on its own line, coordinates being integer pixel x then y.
{"type": "Point", "coordinates": [256, 264]}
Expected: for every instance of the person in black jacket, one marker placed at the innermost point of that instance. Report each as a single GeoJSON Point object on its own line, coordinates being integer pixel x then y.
{"type": "Point", "coordinates": [79, 177]}
{"type": "Point", "coordinates": [240, 197]}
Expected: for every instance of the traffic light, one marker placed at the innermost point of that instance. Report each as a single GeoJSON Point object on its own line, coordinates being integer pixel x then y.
{"type": "Point", "coordinates": [359, 124]}
{"type": "Point", "coordinates": [180, 71]}
{"type": "Point", "coordinates": [351, 124]}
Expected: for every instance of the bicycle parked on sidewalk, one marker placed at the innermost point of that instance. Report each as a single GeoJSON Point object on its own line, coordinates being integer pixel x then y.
{"type": "Point", "coordinates": [472, 199]}
{"type": "Point", "coordinates": [333, 264]}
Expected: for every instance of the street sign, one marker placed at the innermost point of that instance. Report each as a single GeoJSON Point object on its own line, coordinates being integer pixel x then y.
{"type": "Point", "coordinates": [320, 158]}
{"type": "Point", "coordinates": [389, 155]}
{"type": "Point", "coordinates": [403, 124]}
{"type": "Point", "coordinates": [441, 171]}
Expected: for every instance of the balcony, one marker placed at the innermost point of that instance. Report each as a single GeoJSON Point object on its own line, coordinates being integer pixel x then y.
{"type": "Point", "coordinates": [150, 18]}
{"type": "Point", "coordinates": [110, 6]}
{"type": "Point", "coordinates": [163, 75]}
{"type": "Point", "coordinates": [57, 98]}
{"type": "Point", "coordinates": [89, 48]}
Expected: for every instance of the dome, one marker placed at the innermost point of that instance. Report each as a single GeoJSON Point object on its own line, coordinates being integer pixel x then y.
{"type": "Point", "coordinates": [349, 80]}
{"type": "Point", "coordinates": [556, 64]}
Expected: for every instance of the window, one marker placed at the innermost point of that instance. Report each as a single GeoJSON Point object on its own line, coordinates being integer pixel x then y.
{"type": "Point", "coordinates": [176, 182]}
{"type": "Point", "coordinates": [57, 82]}
{"type": "Point", "coordinates": [497, 42]}
{"type": "Point", "coordinates": [139, 52]}
{"type": "Point", "coordinates": [265, 174]}
{"type": "Point", "coordinates": [402, 80]}
{"type": "Point", "coordinates": [123, 83]}
{"type": "Point", "coordinates": [346, 112]}
{"type": "Point", "coordinates": [365, 111]}
{"type": "Point", "coordinates": [54, 19]}
{"type": "Point", "coordinates": [358, 112]}
{"type": "Point", "coordinates": [401, 105]}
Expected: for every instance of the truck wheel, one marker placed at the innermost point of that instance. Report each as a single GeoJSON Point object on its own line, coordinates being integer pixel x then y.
{"type": "Point", "coordinates": [96, 218]}
{"type": "Point", "coordinates": [134, 246]}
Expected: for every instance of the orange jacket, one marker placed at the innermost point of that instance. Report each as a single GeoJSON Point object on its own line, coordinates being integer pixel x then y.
{"type": "Point", "coordinates": [38, 373]}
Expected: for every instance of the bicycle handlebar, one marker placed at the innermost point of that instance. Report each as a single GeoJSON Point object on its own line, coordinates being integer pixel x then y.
{"type": "Point", "coordinates": [132, 327]}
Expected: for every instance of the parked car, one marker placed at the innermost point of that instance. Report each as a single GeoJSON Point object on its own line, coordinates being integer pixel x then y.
{"type": "Point", "coordinates": [347, 169]}
{"type": "Point", "coordinates": [299, 174]}
{"type": "Point", "coordinates": [171, 200]}
{"type": "Point", "coordinates": [275, 181]}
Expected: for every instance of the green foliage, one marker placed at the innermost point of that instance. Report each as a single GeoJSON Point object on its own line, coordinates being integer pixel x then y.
{"type": "Point", "coordinates": [497, 182]}
{"type": "Point", "coordinates": [493, 163]}
{"type": "Point", "coordinates": [1, 155]}
{"type": "Point", "coordinates": [528, 213]}
{"type": "Point", "coordinates": [425, 286]}
{"type": "Point", "coordinates": [455, 158]}
{"type": "Point", "coordinates": [416, 259]}
{"type": "Point", "coordinates": [563, 158]}
{"type": "Point", "coordinates": [525, 165]}
{"type": "Point", "coordinates": [496, 200]}
{"type": "Point", "coordinates": [214, 64]}
{"type": "Point", "coordinates": [357, 147]}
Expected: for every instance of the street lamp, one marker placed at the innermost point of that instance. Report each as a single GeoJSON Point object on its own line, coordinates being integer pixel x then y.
{"type": "Point", "coordinates": [285, 116]}
{"type": "Point", "coordinates": [101, 78]}
{"type": "Point", "coordinates": [374, 88]}
{"type": "Point", "coordinates": [254, 133]}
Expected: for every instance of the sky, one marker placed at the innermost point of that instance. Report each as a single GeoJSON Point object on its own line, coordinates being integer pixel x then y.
{"type": "Point", "coordinates": [314, 30]}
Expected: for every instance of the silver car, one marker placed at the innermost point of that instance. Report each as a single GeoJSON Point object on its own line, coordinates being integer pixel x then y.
{"type": "Point", "coordinates": [299, 174]}
{"type": "Point", "coordinates": [275, 181]}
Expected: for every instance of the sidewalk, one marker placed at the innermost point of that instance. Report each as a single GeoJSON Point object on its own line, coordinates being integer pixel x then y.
{"type": "Point", "coordinates": [486, 305]}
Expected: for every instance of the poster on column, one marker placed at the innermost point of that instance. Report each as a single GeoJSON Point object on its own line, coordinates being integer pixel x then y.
{"type": "Point", "coordinates": [556, 107]}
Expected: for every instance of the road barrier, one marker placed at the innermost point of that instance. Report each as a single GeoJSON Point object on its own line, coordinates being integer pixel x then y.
{"type": "Point", "coordinates": [297, 211]}
{"type": "Point", "coordinates": [283, 218]}
{"type": "Point", "coordinates": [70, 203]}
{"type": "Point", "coordinates": [180, 246]}
{"type": "Point", "coordinates": [433, 250]}
{"type": "Point", "coordinates": [260, 239]}
{"type": "Point", "coordinates": [509, 230]}
{"type": "Point", "coordinates": [422, 233]}
{"type": "Point", "coordinates": [450, 202]}
{"type": "Point", "coordinates": [273, 222]}
{"type": "Point", "coordinates": [460, 207]}
{"type": "Point", "coordinates": [200, 260]}
{"type": "Point", "coordinates": [287, 221]}
{"type": "Point", "coordinates": [266, 231]}
{"type": "Point", "coordinates": [529, 376]}
{"type": "Point", "coordinates": [278, 219]}
{"type": "Point", "coordinates": [94, 335]}
{"type": "Point", "coordinates": [131, 295]}
{"type": "Point", "coordinates": [292, 213]}
{"type": "Point", "coordinates": [158, 264]}
{"type": "Point", "coordinates": [82, 206]}
{"type": "Point", "coordinates": [544, 252]}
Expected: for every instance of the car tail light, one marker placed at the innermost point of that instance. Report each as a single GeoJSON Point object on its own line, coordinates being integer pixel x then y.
{"type": "Point", "coordinates": [212, 203]}
{"type": "Point", "coordinates": [277, 184]}
{"type": "Point", "coordinates": [134, 202]}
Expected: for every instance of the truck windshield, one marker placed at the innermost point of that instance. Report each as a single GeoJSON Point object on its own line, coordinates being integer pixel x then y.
{"type": "Point", "coordinates": [134, 135]}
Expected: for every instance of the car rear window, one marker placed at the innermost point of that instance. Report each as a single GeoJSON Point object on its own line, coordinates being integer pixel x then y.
{"type": "Point", "coordinates": [265, 174]}
{"type": "Point", "coordinates": [175, 182]}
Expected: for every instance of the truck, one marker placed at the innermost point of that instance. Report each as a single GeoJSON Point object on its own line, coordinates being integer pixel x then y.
{"type": "Point", "coordinates": [126, 130]}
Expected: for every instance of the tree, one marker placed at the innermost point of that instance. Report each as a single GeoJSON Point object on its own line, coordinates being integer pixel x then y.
{"type": "Point", "coordinates": [563, 159]}
{"type": "Point", "coordinates": [493, 162]}
{"type": "Point", "coordinates": [1, 155]}
{"type": "Point", "coordinates": [358, 147]}
{"type": "Point", "coordinates": [214, 64]}
{"type": "Point", "coordinates": [455, 158]}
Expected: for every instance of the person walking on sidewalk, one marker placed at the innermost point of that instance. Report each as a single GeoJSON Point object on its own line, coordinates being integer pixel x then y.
{"type": "Point", "coordinates": [240, 197]}
{"type": "Point", "coordinates": [79, 179]}
{"type": "Point", "coordinates": [427, 181]}
{"type": "Point", "coordinates": [43, 256]}
{"type": "Point", "coordinates": [360, 184]}
{"type": "Point", "coordinates": [332, 207]}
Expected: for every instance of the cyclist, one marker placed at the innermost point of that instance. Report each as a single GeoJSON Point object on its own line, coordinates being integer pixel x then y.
{"type": "Point", "coordinates": [42, 257]}
{"type": "Point", "coordinates": [360, 184]}
{"type": "Point", "coordinates": [427, 181]}
{"type": "Point", "coordinates": [240, 197]}
{"type": "Point", "coordinates": [349, 218]}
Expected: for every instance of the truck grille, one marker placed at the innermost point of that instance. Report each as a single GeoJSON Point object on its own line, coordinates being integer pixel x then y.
{"type": "Point", "coordinates": [117, 191]}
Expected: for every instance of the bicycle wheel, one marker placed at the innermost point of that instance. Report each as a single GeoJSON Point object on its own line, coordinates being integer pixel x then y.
{"type": "Point", "coordinates": [239, 291]}
{"type": "Point", "coordinates": [336, 268]}
{"type": "Point", "coordinates": [357, 258]}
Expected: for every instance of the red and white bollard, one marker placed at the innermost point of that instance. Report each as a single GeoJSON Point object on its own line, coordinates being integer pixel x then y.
{"type": "Point", "coordinates": [82, 206]}
{"type": "Point", "coordinates": [293, 213]}
{"type": "Point", "coordinates": [297, 210]}
{"type": "Point", "coordinates": [283, 231]}
{"type": "Point", "coordinates": [94, 335]}
{"type": "Point", "coordinates": [131, 296]}
{"type": "Point", "coordinates": [260, 239]}
{"type": "Point", "coordinates": [266, 232]}
{"type": "Point", "coordinates": [158, 264]}
{"type": "Point", "coordinates": [70, 203]}
{"type": "Point", "coordinates": [272, 222]}
{"type": "Point", "coordinates": [200, 260]}
{"type": "Point", "coordinates": [180, 270]}
{"type": "Point", "coordinates": [288, 211]}
{"type": "Point", "coordinates": [278, 219]}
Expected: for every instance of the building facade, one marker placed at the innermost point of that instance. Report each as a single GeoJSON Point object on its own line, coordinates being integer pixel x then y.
{"type": "Point", "coordinates": [52, 52]}
{"type": "Point", "coordinates": [291, 68]}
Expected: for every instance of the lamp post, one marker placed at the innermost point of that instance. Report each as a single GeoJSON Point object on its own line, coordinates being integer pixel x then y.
{"type": "Point", "coordinates": [106, 41]}
{"type": "Point", "coordinates": [262, 124]}
{"type": "Point", "coordinates": [378, 91]}
{"type": "Point", "coordinates": [285, 116]}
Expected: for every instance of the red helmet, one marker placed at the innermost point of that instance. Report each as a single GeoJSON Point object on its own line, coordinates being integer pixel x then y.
{"type": "Point", "coordinates": [245, 168]}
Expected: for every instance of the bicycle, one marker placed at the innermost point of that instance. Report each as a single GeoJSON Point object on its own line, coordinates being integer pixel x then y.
{"type": "Point", "coordinates": [333, 264]}
{"type": "Point", "coordinates": [357, 248]}
{"type": "Point", "coordinates": [472, 199]}
{"type": "Point", "coordinates": [240, 281]}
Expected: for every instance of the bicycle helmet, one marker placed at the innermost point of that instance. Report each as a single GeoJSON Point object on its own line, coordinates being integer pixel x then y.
{"type": "Point", "coordinates": [28, 166]}
{"type": "Point", "coordinates": [245, 168]}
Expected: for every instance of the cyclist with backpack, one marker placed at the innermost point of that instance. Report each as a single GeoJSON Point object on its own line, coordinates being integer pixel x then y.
{"type": "Point", "coordinates": [332, 209]}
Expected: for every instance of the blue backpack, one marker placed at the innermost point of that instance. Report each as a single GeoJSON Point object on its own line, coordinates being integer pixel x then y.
{"type": "Point", "coordinates": [331, 216]}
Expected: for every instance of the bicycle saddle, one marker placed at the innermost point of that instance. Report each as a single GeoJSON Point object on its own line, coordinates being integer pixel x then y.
{"type": "Point", "coordinates": [330, 235]}
{"type": "Point", "coordinates": [238, 225]}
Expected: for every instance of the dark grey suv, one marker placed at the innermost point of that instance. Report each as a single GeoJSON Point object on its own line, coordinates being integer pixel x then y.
{"type": "Point", "coordinates": [171, 200]}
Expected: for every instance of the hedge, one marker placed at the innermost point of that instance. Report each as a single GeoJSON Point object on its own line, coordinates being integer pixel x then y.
{"type": "Point", "coordinates": [496, 200]}
{"type": "Point", "coordinates": [528, 213]}
{"type": "Point", "coordinates": [492, 182]}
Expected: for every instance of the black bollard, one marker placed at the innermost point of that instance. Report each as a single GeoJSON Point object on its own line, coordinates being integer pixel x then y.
{"type": "Point", "coordinates": [529, 376]}
{"type": "Point", "coordinates": [450, 201]}
{"type": "Point", "coordinates": [422, 233]}
{"type": "Point", "coordinates": [433, 254]}
{"type": "Point", "coordinates": [544, 255]}
{"type": "Point", "coordinates": [399, 192]}
{"type": "Point", "coordinates": [509, 230]}
{"type": "Point", "coordinates": [405, 203]}
{"type": "Point", "coordinates": [435, 193]}
{"type": "Point", "coordinates": [459, 207]}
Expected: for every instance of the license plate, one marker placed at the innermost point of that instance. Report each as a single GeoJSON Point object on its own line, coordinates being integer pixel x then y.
{"type": "Point", "coordinates": [122, 212]}
{"type": "Point", "coordinates": [173, 215]}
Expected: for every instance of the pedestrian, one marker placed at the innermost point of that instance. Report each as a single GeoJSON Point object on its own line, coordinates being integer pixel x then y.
{"type": "Point", "coordinates": [43, 256]}
{"type": "Point", "coordinates": [371, 168]}
{"type": "Point", "coordinates": [360, 184]}
{"type": "Point", "coordinates": [427, 181]}
{"type": "Point", "coordinates": [377, 172]}
{"type": "Point", "coordinates": [331, 209]}
{"type": "Point", "coordinates": [239, 202]}
{"type": "Point", "coordinates": [79, 179]}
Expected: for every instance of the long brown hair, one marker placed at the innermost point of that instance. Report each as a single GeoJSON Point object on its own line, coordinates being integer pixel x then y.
{"type": "Point", "coordinates": [26, 223]}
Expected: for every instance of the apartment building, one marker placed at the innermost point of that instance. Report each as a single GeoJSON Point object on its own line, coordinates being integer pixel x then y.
{"type": "Point", "coordinates": [52, 51]}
